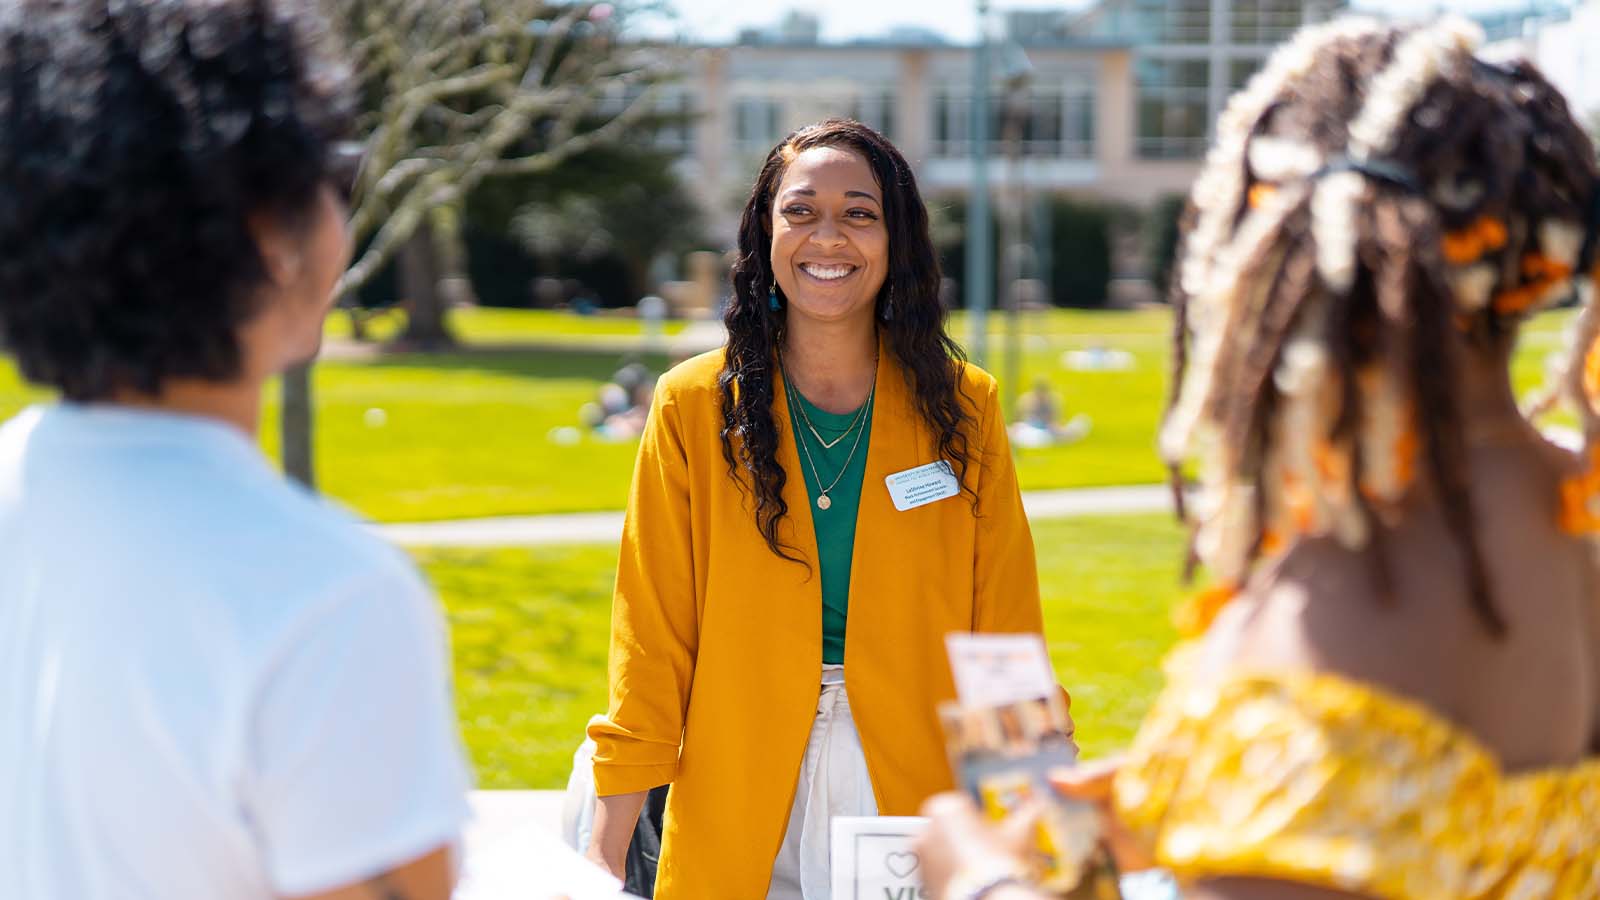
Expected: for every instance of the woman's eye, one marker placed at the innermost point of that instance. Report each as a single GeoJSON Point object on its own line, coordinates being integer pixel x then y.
{"type": "Point", "coordinates": [796, 211]}
{"type": "Point", "coordinates": [863, 214]}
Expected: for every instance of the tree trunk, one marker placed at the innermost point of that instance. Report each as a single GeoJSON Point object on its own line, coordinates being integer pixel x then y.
{"type": "Point", "coordinates": [419, 287]}
{"type": "Point", "coordinates": [358, 322]}
{"type": "Point", "coordinates": [294, 425]}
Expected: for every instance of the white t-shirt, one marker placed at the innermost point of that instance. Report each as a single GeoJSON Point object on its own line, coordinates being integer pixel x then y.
{"type": "Point", "coordinates": [212, 685]}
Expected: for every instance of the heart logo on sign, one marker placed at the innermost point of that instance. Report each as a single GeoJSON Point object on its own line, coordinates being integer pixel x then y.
{"type": "Point", "coordinates": [901, 865]}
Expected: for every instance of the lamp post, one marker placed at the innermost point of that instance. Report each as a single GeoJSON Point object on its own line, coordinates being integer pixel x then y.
{"type": "Point", "coordinates": [980, 247]}
{"type": "Point", "coordinates": [1016, 72]}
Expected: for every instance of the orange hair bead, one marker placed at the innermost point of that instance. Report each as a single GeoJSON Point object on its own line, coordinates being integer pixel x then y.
{"type": "Point", "coordinates": [1492, 232]}
{"type": "Point", "coordinates": [1462, 247]}
{"type": "Point", "coordinates": [1196, 614]}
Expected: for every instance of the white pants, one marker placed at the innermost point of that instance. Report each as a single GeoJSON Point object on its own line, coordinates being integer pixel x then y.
{"type": "Point", "coordinates": [833, 782]}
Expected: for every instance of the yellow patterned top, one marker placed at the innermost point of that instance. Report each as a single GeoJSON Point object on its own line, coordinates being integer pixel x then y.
{"type": "Point", "coordinates": [1322, 780]}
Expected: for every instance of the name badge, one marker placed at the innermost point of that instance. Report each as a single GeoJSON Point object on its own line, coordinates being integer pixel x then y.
{"type": "Point", "coordinates": [922, 485]}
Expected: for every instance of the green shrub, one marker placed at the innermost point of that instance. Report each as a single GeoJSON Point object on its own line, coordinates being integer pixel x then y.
{"type": "Point", "coordinates": [1079, 254]}
{"type": "Point", "coordinates": [1162, 228]}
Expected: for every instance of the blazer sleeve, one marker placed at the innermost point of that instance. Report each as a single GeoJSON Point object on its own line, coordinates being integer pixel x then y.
{"type": "Point", "coordinates": [654, 619]}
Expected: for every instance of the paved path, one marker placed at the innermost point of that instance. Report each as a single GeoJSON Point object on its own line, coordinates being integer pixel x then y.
{"type": "Point", "coordinates": [606, 527]}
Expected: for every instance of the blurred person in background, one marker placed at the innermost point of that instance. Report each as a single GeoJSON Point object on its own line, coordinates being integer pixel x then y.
{"type": "Point", "coordinates": [1039, 423]}
{"type": "Point", "coordinates": [214, 685]}
{"type": "Point", "coordinates": [1397, 691]}
{"type": "Point", "coordinates": [778, 633]}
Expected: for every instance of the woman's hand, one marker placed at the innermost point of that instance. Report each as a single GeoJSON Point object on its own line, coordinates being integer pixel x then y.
{"type": "Point", "coordinates": [1091, 783]}
{"type": "Point", "coordinates": [617, 869]}
{"type": "Point", "coordinates": [959, 843]}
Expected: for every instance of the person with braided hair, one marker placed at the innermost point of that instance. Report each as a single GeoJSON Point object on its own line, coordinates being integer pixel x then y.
{"type": "Point", "coordinates": [1394, 689]}
{"type": "Point", "coordinates": [815, 507]}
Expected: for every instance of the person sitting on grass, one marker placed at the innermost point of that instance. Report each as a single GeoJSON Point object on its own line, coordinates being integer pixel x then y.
{"type": "Point", "coordinates": [213, 685]}
{"type": "Point", "coordinates": [1039, 424]}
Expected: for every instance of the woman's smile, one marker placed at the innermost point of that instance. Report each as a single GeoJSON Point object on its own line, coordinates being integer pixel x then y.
{"type": "Point", "coordinates": [828, 274]}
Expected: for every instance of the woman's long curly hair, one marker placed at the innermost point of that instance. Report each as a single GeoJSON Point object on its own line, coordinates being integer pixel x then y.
{"type": "Point", "coordinates": [1378, 198]}
{"type": "Point", "coordinates": [910, 316]}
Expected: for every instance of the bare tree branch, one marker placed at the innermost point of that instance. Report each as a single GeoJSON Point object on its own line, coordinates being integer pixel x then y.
{"type": "Point", "coordinates": [468, 90]}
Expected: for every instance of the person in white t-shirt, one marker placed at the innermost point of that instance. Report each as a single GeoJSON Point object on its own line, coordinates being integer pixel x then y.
{"type": "Point", "coordinates": [212, 685]}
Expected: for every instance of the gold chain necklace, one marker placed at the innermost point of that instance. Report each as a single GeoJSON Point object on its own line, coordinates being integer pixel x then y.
{"type": "Point", "coordinates": [829, 445]}
{"type": "Point", "coordinates": [824, 502]}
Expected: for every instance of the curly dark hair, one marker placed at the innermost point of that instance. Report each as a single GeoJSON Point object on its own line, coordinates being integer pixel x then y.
{"type": "Point", "coordinates": [910, 314]}
{"type": "Point", "coordinates": [1378, 200]}
{"type": "Point", "coordinates": [135, 140]}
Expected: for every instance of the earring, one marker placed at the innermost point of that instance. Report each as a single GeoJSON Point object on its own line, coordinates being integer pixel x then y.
{"type": "Point", "coordinates": [888, 306]}
{"type": "Point", "coordinates": [772, 298]}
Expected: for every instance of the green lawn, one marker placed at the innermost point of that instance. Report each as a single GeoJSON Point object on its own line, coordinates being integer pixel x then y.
{"type": "Point", "coordinates": [459, 435]}
{"type": "Point", "coordinates": [530, 631]}
{"type": "Point", "coordinates": [418, 437]}
{"type": "Point", "coordinates": [488, 325]}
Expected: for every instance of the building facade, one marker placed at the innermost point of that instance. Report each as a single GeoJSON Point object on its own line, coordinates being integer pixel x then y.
{"type": "Point", "coordinates": [1565, 45]}
{"type": "Point", "coordinates": [1116, 103]}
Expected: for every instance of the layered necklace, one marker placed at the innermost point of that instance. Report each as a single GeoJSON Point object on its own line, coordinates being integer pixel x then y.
{"type": "Point", "coordinates": [857, 425]}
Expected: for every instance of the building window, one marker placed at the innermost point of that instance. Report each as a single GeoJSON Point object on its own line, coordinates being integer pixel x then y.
{"type": "Point", "coordinates": [949, 125]}
{"type": "Point", "coordinates": [1240, 71]}
{"type": "Point", "coordinates": [1266, 21]}
{"type": "Point", "coordinates": [675, 133]}
{"type": "Point", "coordinates": [1077, 124]}
{"type": "Point", "coordinates": [876, 110]}
{"type": "Point", "coordinates": [1173, 107]}
{"type": "Point", "coordinates": [1050, 123]}
{"type": "Point", "coordinates": [755, 123]}
{"type": "Point", "coordinates": [1167, 21]}
{"type": "Point", "coordinates": [1037, 124]}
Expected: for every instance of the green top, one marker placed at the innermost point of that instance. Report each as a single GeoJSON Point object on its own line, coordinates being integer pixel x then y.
{"type": "Point", "coordinates": [836, 525]}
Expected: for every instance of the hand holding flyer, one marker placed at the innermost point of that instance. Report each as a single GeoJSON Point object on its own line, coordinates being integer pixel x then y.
{"type": "Point", "coordinates": [1005, 735]}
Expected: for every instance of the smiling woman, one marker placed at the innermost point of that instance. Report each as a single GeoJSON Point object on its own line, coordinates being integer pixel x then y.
{"type": "Point", "coordinates": [785, 527]}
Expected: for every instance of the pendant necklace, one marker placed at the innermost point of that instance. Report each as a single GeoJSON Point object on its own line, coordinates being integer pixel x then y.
{"type": "Point", "coordinates": [824, 502]}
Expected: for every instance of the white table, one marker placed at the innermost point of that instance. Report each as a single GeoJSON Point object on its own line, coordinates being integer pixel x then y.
{"type": "Point", "coordinates": [514, 851]}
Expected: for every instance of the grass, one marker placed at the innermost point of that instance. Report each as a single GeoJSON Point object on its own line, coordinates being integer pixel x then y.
{"type": "Point", "coordinates": [1109, 585]}
{"type": "Point", "coordinates": [411, 437]}
{"type": "Point", "coordinates": [488, 325]}
{"type": "Point", "coordinates": [420, 437]}
{"type": "Point", "coordinates": [530, 631]}
{"type": "Point", "coordinates": [14, 392]}
{"type": "Point", "coordinates": [474, 435]}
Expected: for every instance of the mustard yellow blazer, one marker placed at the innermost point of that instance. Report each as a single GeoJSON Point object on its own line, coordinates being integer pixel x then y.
{"type": "Point", "coordinates": [716, 643]}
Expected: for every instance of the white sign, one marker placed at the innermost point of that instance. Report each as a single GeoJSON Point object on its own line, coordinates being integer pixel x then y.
{"type": "Point", "coordinates": [999, 669]}
{"type": "Point", "coordinates": [922, 485]}
{"type": "Point", "coordinates": [874, 858]}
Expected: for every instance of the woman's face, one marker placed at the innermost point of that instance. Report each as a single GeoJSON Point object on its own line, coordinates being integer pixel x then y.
{"type": "Point", "coordinates": [830, 245]}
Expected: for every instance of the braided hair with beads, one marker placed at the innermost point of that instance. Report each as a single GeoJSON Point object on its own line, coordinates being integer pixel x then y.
{"type": "Point", "coordinates": [1374, 192]}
